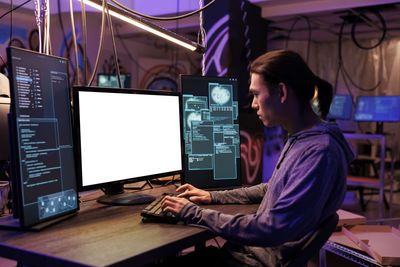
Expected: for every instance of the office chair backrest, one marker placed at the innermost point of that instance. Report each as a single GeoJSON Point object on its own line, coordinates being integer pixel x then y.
{"type": "Point", "coordinates": [315, 242]}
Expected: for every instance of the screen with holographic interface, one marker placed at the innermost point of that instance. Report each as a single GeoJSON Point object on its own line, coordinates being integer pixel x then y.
{"type": "Point", "coordinates": [211, 131]}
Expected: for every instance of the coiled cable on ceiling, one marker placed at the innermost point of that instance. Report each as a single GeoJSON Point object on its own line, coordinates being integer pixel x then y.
{"type": "Point", "coordinates": [356, 21]}
{"type": "Point", "coordinates": [341, 67]}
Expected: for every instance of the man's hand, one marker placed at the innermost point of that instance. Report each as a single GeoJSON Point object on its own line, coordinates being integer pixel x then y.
{"type": "Point", "coordinates": [173, 204]}
{"type": "Point", "coordinates": [194, 194]}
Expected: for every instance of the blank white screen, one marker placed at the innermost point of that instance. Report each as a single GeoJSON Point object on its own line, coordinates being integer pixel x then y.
{"type": "Point", "coordinates": [126, 136]}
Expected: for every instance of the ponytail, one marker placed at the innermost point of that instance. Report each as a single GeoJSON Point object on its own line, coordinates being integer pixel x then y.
{"type": "Point", "coordinates": [325, 94]}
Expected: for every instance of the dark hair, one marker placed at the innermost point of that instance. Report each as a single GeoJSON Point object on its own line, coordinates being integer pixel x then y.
{"type": "Point", "coordinates": [289, 68]}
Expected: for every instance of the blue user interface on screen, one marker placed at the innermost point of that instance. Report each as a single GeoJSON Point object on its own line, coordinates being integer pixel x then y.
{"type": "Point", "coordinates": [378, 108]}
{"type": "Point", "coordinates": [43, 155]}
{"type": "Point", "coordinates": [341, 107]}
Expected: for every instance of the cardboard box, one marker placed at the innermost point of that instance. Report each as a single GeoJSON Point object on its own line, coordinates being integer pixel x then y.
{"type": "Point", "coordinates": [349, 218]}
{"type": "Point", "coordinates": [381, 242]}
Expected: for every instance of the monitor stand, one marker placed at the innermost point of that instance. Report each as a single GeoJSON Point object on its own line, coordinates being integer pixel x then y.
{"type": "Point", "coordinates": [114, 195]}
{"type": "Point", "coordinates": [379, 127]}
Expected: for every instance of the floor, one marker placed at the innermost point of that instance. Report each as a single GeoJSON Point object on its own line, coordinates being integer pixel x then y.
{"type": "Point", "coordinates": [351, 204]}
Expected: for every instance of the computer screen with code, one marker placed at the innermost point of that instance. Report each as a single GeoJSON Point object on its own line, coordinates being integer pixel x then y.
{"type": "Point", "coordinates": [43, 170]}
{"type": "Point", "coordinates": [211, 131]}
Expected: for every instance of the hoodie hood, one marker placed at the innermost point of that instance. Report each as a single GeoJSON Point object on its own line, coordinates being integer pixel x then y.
{"type": "Point", "coordinates": [326, 128]}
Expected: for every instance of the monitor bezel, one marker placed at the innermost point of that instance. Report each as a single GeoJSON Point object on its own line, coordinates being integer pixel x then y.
{"type": "Point", "coordinates": [370, 120]}
{"type": "Point", "coordinates": [14, 144]}
{"type": "Point", "coordinates": [77, 139]}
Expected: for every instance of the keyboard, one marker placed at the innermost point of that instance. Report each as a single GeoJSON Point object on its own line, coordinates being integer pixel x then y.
{"type": "Point", "coordinates": [153, 212]}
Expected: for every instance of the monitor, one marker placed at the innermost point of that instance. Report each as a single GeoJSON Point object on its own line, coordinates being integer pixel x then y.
{"type": "Point", "coordinates": [42, 152]}
{"type": "Point", "coordinates": [341, 107]}
{"type": "Point", "coordinates": [4, 110]}
{"type": "Point", "coordinates": [211, 131]}
{"type": "Point", "coordinates": [377, 109]}
{"type": "Point", "coordinates": [111, 80]}
{"type": "Point", "coordinates": [126, 135]}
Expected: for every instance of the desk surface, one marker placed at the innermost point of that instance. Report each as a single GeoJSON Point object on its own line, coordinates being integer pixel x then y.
{"type": "Point", "coordinates": [101, 235]}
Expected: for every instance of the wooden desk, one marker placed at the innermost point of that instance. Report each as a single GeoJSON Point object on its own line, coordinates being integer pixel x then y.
{"type": "Point", "coordinates": [106, 236]}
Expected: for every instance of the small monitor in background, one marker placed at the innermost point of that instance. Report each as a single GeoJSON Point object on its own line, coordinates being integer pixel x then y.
{"type": "Point", "coordinates": [377, 109]}
{"type": "Point", "coordinates": [125, 136]}
{"type": "Point", "coordinates": [341, 108]}
{"type": "Point", "coordinates": [211, 131]}
{"type": "Point", "coordinates": [111, 80]}
{"type": "Point", "coordinates": [42, 153]}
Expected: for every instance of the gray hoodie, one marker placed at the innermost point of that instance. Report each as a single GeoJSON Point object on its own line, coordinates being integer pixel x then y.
{"type": "Point", "coordinates": [307, 186]}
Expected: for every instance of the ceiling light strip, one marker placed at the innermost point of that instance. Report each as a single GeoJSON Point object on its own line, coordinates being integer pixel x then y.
{"type": "Point", "coordinates": [147, 26]}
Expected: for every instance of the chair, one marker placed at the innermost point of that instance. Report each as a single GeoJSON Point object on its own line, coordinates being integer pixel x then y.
{"type": "Point", "coordinates": [315, 242]}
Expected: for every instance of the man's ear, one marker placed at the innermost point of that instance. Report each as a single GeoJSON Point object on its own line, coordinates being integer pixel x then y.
{"type": "Point", "coordinates": [283, 92]}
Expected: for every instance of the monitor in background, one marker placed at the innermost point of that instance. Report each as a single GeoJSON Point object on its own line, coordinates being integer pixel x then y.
{"type": "Point", "coordinates": [4, 110]}
{"type": "Point", "coordinates": [42, 154]}
{"type": "Point", "coordinates": [341, 108]}
{"type": "Point", "coordinates": [378, 109]}
{"type": "Point", "coordinates": [126, 135]}
{"type": "Point", "coordinates": [111, 80]}
{"type": "Point", "coordinates": [211, 131]}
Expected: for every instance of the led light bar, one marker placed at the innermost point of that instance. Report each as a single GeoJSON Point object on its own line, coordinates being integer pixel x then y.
{"type": "Point", "coordinates": [147, 26]}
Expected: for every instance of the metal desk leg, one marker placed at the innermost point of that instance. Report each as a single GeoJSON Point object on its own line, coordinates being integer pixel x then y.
{"type": "Point", "coordinates": [322, 257]}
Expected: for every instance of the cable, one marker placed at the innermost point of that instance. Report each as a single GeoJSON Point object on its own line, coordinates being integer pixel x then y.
{"type": "Point", "coordinates": [163, 18]}
{"type": "Point", "coordinates": [203, 40]}
{"type": "Point", "coordinates": [71, 11]}
{"type": "Point", "coordinates": [46, 25]}
{"type": "Point", "coordinates": [11, 21]}
{"type": "Point", "coordinates": [44, 19]}
{"type": "Point", "coordinates": [247, 45]}
{"type": "Point", "coordinates": [114, 47]}
{"type": "Point", "coordinates": [83, 11]}
{"type": "Point", "coordinates": [309, 34]}
{"type": "Point", "coordinates": [62, 29]}
{"type": "Point", "coordinates": [345, 74]}
{"type": "Point", "coordinates": [100, 43]}
{"type": "Point", "coordinates": [353, 29]}
{"type": "Point", "coordinates": [128, 52]}
{"type": "Point", "coordinates": [38, 23]}
{"type": "Point", "coordinates": [175, 50]}
{"type": "Point", "coordinates": [13, 9]}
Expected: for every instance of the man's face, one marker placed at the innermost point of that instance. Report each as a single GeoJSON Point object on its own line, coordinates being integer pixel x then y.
{"type": "Point", "coordinates": [266, 101]}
